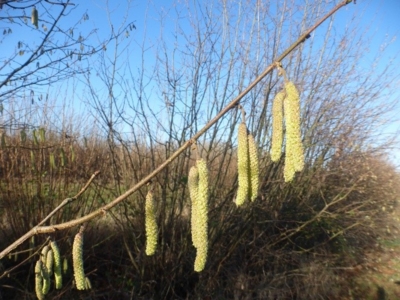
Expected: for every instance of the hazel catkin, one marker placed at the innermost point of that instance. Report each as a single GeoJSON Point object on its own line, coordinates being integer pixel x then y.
{"type": "Point", "coordinates": [243, 165]}
{"type": "Point", "coordinates": [34, 17]}
{"type": "Point", "coordinates": [277, 126]}
{"type": "Point", "coordinates": [57, 265]}
{"type": "Point", "coordinates": [253, 168]}
{"type": "Point", "coordinates": [77, 261]}
{"type": "Point", "coordinates": [46, 279]}
{"type": "Point", "coordinates": [193, 185]}
{"type": "Point", "coordinates": [294, 160]}
{"type": "Point", "coordinates": [43, 253]}
{"type": "Point", "coordinates": [202, 217]}
{"type": "Point", "coordinates": [50, 262]}
{"type": "Point", "coordinates": [39, 280]}
{"type": "Point", "coordinates": [150, 224]}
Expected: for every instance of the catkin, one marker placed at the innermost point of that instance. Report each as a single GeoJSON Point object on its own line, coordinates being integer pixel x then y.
{"type": "Point", "coordinates": [294, 161]}
{"type": "Point", "coordinates": [43, 254]}
{"type": "Point", "coordinates": [277, 128]}
{"type": "Point", "coordinates": [253, 168]}
{"type": "Point", "coordinates": [193, 185]}
{"type": "Point", "coordinates": [202, 217]}
{"type": "Point", "coordinates": [57, 264]}
{"type": "Point", "coordinates": [150, 224]}
{"type": "Point", "coordinates": [39, 280]}
{"type": "Point", "coordinates": [50, 262]}
{"type": "Point", "coordinates": [243, 165]}
{"type": "Point", "coordinates": [34, 17]}
{"type": "Point", "coordinates": [46, 279]}
{"type": "Point", "coordinates": [77, 261]}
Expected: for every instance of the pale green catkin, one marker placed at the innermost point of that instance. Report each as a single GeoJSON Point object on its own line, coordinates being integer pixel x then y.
{"type": "Point", "coordinates": [57, 264]}
{"type": "Point", "coordinates": [34, 17]}
{"type": "Point", "coordinates": [193, 185]}
{"type": "Point", "coordinates": [202, 217]}
{"type": "Point", "coordinates": [150, 225]}
{"type": "Point", "coordinates": [243, 165]}
{"type": "Point", "coordinates": [294, 161]}
{"type": "Point", "coordinates": [50, 262]}
{"type": "Point", "coordinates": [77, 261]}
{"type": "Point", "coordinates": [43, 253]}
{"type": "Point", "coordinates": [277, 126]}
{"type": "Point", "coordinates": [46, 279]}
{"type": "Point", "coordinates": [253, 169]}
{"type": "Point", "coordinates": [39, 280]}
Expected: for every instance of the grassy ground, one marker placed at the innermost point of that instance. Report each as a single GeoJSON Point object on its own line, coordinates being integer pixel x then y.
{"type": "Point", "coordinates": [380, 273]}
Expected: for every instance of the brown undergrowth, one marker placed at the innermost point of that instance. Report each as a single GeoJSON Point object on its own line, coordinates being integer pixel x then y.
{"type": "Point", "coordinates": [302, 240]}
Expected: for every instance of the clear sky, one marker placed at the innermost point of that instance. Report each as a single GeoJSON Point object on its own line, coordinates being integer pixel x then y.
{"type": "Point", "coordinates": [380, 18]}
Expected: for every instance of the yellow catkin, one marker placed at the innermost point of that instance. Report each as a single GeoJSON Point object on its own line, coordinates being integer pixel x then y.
{"type": "Point", "coordinates": [46, 279]}
{"type": "Point", "coordinates": [43, 254]}
{"type": "Point", "coordinates": [193, 185]}
{"type": "Point", "coordinates": [202, 217]}
{"type": "Point", "coordinates": [34, 17]}
{"type": "Point", "coordinates": [254, 170]}
{"type": "Point", "coordinates": [77, 261]}
{"type": "Point", "coordinates": [57, 264]}
{"type": "Point", "coordinates": [288, 170]}
{"type": "Point", "coordinates": [277, 126]}
{"type": "Point", "coordinates": [50, 262]}
{"type": "Point", "coordinates": [150, 224]}
{"type": "Point", "coordinates": [39, 280]}
{"type": "Point", "coordinates": [243, 165]}
{"type": "Point", "coordinates": [294, 161]}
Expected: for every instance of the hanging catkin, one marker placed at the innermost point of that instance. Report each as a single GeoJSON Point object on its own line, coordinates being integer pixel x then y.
{"type": "Point", "coordinates": [50, 262]}
{"type": "Point", "coordinates": [39, 280]}
{"type": "Point", "coordinates": [46, 279]}
{"type": "Point", "coordinates": [43, 253]}
{"type": "Point", "coordinates": [201, 220]}
{"type": "Point", "coordinates": [277, 126]}
{"type": "Point", "coordinates": [243, 165]}
{"type": "Point", "coordinates": [193, 185]}
{"type": "Point", "coordinates": [253, 168]}
{"type": "Point", "coordinates": [57, 264]}
{"type": "Point", "coordinates": [150, 224]}
{"type": "Point", "coordinates": [77, 260]}
{"type": "Point", "coordinates": [34, 17]}
{"type": "Point", "coordinates": [294, 160]}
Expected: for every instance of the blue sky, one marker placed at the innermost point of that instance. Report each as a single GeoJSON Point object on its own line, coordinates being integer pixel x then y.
{"type": "Point", "coordinates": [379, 18]}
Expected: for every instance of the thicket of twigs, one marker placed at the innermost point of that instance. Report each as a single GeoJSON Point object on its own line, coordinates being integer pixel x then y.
{"type": "Point", "coordinates": [297, 241]}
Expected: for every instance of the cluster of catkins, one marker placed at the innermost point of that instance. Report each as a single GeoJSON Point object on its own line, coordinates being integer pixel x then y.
{"type": "Point", "coordinates": [248, 177]}
{"type": "Point", "coordinates": [48, 263]}
{"type": "Point", "coordinates": [286, 106]}
{"type": "Point", "coordinates": [198, 190]}
{"type": "Point", "coordinates": [248, 171]}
